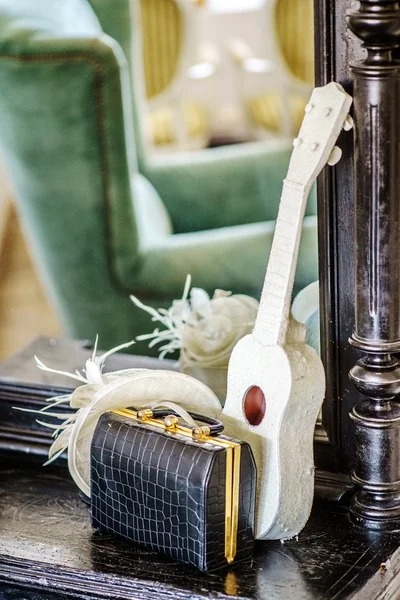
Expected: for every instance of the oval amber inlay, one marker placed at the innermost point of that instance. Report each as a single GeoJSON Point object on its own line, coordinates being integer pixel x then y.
{"type": "Point", "coordinates": [254, 405]}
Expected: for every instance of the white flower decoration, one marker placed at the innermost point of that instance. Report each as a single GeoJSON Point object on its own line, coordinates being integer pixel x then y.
{"type": "Point", "coordinates": [203, 329]}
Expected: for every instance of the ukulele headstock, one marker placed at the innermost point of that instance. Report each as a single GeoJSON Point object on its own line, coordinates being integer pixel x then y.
{"type": "Point", "coordinates": [326, 114]}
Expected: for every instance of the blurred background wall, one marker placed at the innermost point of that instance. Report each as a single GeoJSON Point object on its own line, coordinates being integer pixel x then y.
{"type": "Point", "coordinates": [24, 309]}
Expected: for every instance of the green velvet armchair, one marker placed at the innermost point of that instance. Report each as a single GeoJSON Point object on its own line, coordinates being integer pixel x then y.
{"type": "Point", "coordinates": [102, 218]}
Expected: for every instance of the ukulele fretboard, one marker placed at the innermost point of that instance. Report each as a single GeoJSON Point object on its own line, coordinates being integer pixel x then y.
{"type": "Point", "coordinates": [273, 314]}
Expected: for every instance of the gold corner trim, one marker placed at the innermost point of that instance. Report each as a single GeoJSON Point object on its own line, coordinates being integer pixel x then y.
{"type": "Point", "coordinates": [232, 489]}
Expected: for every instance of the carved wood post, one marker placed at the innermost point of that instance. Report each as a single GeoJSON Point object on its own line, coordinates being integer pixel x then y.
{"type": "Point", "coordinates": [376, 502]}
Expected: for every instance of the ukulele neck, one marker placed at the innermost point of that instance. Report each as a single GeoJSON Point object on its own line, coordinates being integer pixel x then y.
{"type": "Point", "coordinates": [273, 314]}
{"type": "Point", "coordinates": [326, 115]}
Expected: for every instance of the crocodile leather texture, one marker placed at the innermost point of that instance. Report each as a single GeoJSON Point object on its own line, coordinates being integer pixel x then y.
{"type": "Point", "coordinates": [167, 492]}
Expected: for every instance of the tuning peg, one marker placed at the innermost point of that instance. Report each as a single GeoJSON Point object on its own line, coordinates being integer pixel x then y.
{"type": "Point", "coordinates": [335, 156]}
{"type": "Point", "coordinates": [349, 123]}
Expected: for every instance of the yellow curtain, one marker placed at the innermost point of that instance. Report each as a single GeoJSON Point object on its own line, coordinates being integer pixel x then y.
{"type": "Point", "coordinates": [295, 30]}
{"type": "Point", "coordinates": [161, 23]}
{"type": "Point", "coordinates": [266, 110]}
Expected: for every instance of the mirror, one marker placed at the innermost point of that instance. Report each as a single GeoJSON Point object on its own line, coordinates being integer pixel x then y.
{"type": "Point", "coordinates": [209, 74]}
{"type": "Point", "coordinates": [190, 183]}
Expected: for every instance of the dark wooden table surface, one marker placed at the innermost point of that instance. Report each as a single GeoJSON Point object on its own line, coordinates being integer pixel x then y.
{"type": "Point", "coordinates": [47, 543]}
{"type": "Point", "coordinates": [48, 550]}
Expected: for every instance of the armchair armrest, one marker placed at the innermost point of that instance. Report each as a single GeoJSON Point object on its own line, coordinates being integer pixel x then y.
{"type": "Point", "coordinates": [233, 258]}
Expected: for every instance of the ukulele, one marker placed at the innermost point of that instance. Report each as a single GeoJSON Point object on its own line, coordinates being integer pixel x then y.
{"type": "Point", "coordinates": [276, 382]}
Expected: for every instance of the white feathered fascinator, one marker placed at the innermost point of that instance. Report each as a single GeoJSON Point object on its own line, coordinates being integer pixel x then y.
{"type": "Point", "coordinates": [100, 393]}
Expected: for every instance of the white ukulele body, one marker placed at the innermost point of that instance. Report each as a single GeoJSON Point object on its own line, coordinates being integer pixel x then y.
{"type": "Point", "coordinates": [274, 360]}
{"type": "Point", "coordinates": [283, 442]}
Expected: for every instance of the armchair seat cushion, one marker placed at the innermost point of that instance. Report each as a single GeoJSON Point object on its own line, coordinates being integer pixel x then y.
{"type": "Point", "coordinates": [230, 258]}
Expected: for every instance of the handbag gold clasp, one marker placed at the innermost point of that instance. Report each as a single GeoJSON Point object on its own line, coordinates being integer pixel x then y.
{"type": "Point", "coordinates": [171, 422]}
{"type": "Point", "coordinates": [145, 414]}
{"type": "Point", "coordinates": [200, 433]}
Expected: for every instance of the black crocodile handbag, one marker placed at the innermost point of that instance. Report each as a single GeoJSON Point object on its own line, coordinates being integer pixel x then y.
{"type": "Point", "coordinates": [187, 492]}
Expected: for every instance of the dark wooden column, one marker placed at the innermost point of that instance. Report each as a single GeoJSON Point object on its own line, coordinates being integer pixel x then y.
{"type": "Point", "coordinates": [377, 264]}
{"type": "Point", "coordinates": [335, 48]}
